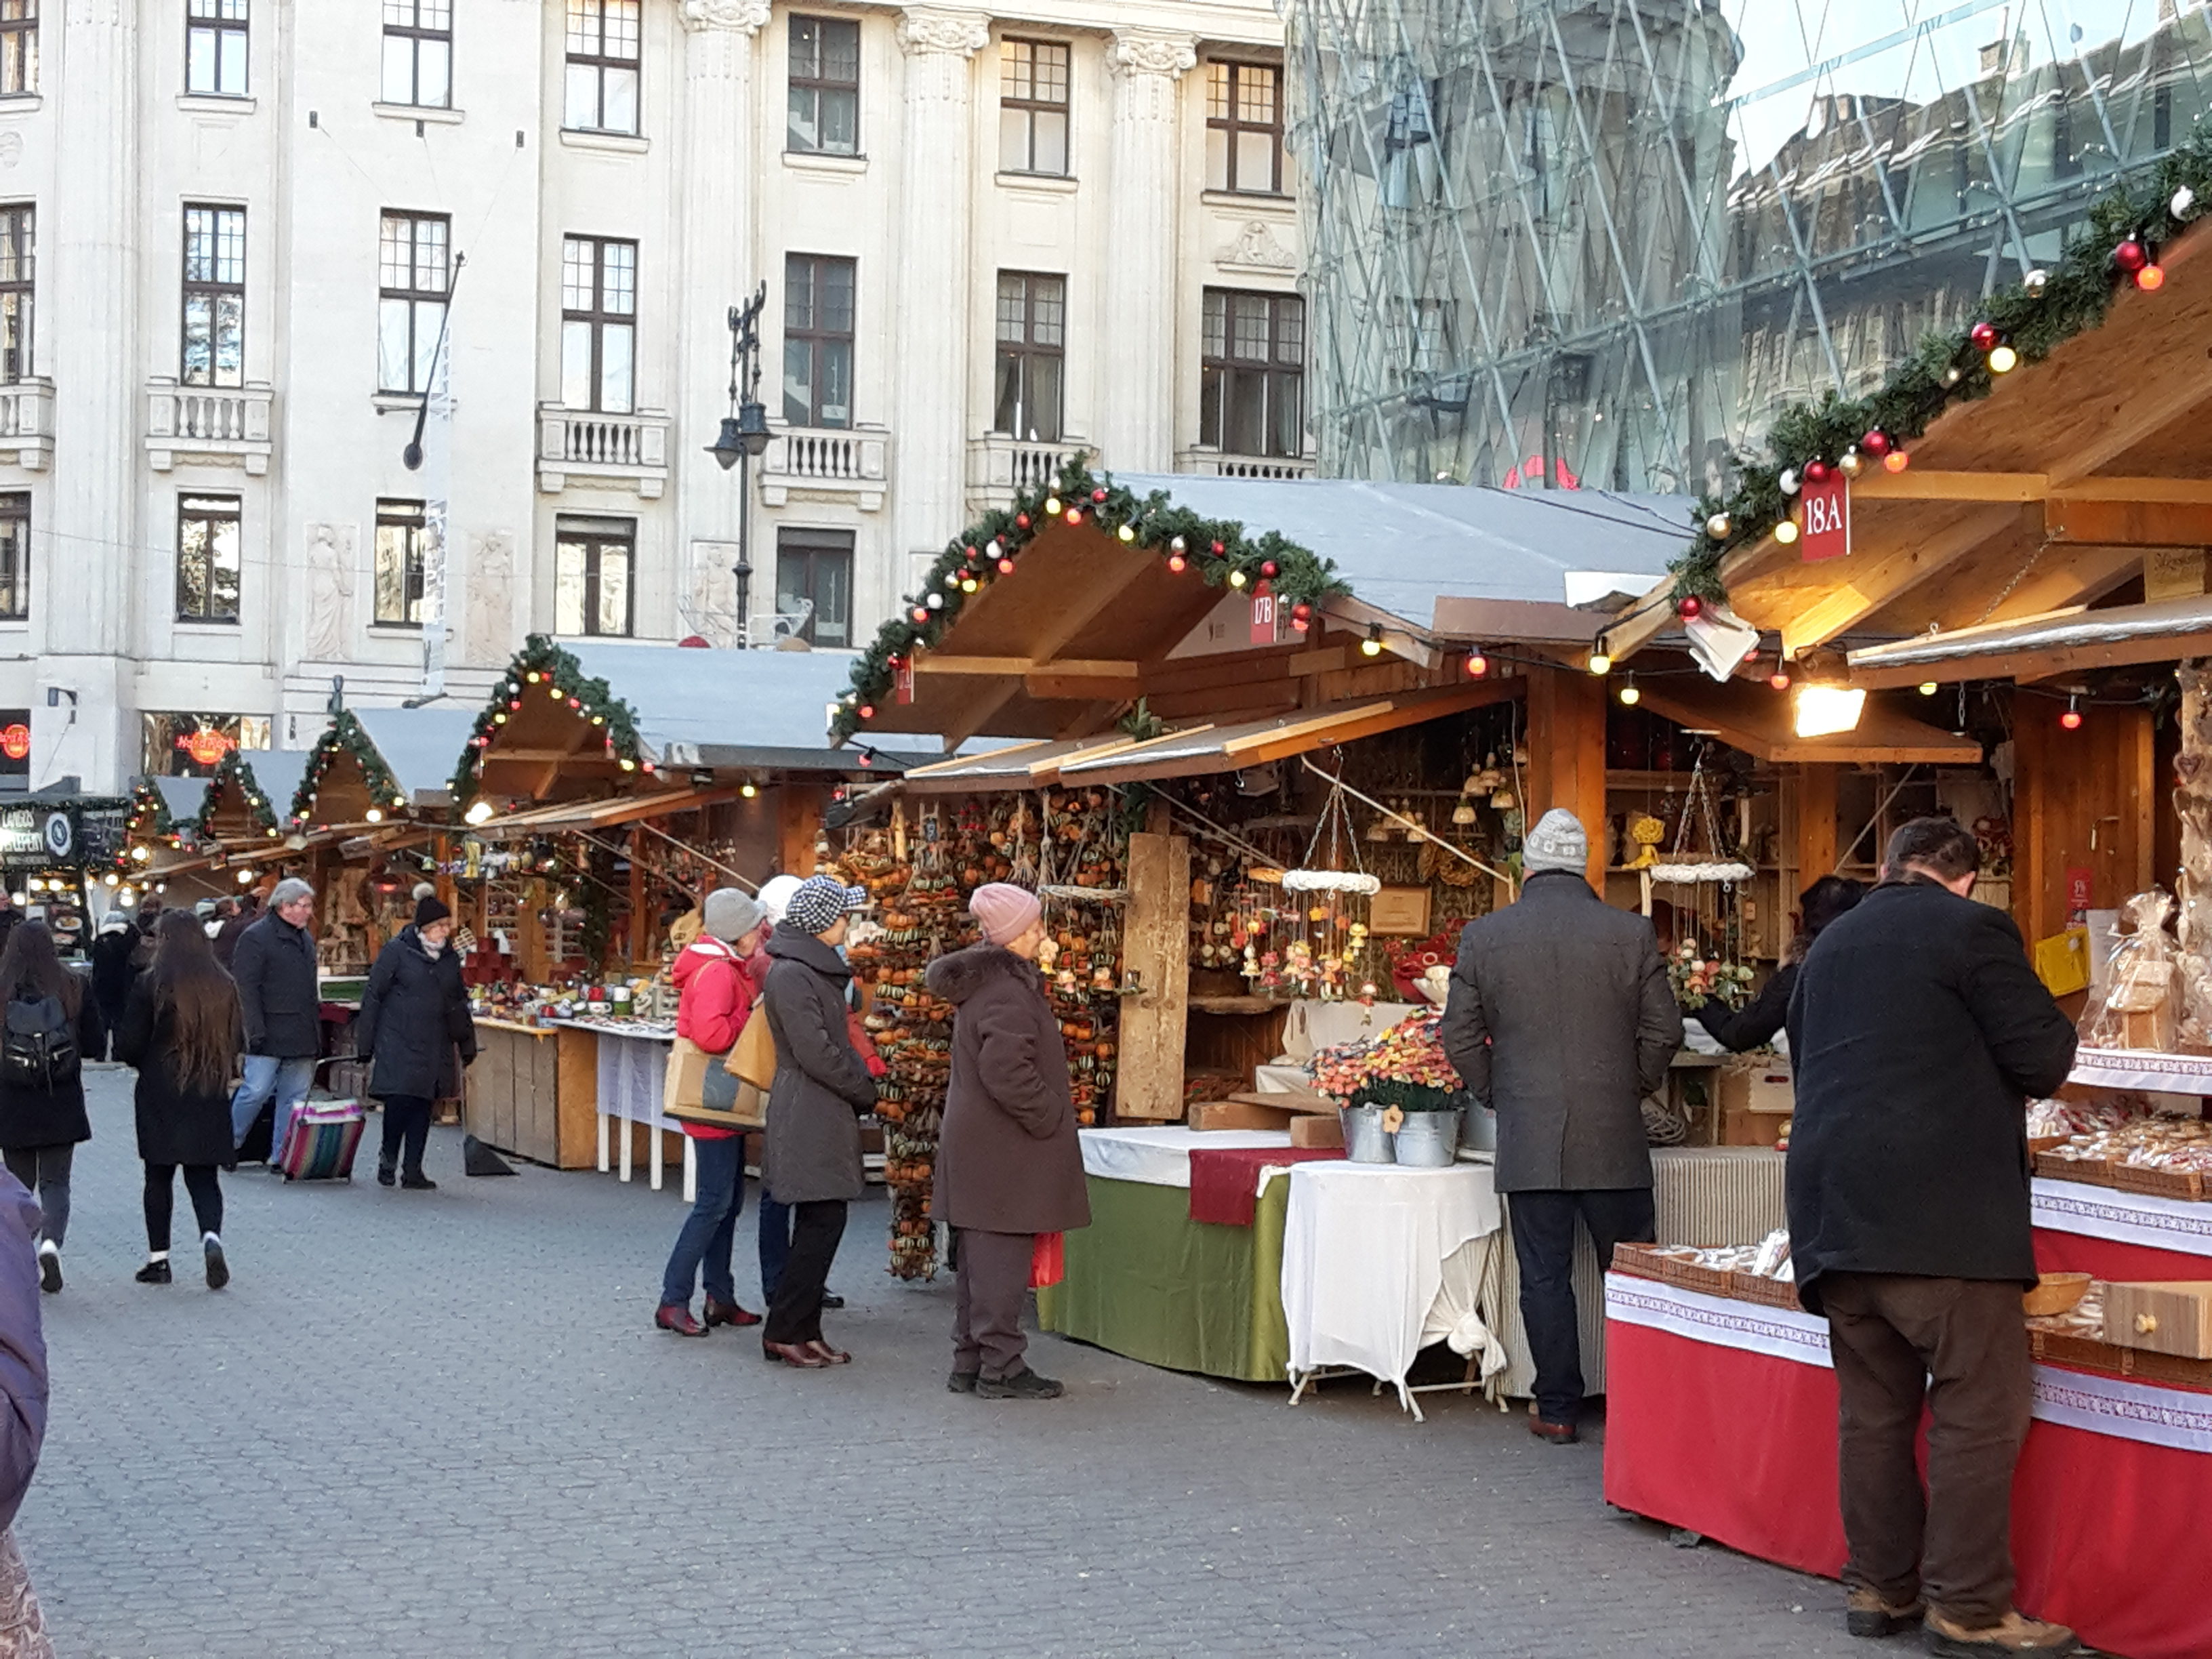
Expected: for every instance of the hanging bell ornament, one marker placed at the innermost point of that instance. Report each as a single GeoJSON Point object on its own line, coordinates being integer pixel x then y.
{"type": "Point", "coordinates": [2184, 204]}
{"type": "Point", "coordinates": [2035, 282]}
{"type": "Point", "coordinates": [1787, 483]}
{"type": "Point", "coordinates": [1717, 526]}
{"type": "Point", "coordinates": [1851, 463]}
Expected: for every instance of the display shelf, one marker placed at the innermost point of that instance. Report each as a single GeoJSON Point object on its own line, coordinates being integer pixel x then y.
{"type": "Point", "coordinates": [1245, 1005]}
{"type": "Point", "coordinates": [2142, 1068]}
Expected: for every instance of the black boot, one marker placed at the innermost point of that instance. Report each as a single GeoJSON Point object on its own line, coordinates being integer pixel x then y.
{"type": "Point", "coordinates": [386, 1174]}
{"type": "Point", "coordinates": [415, 1182]}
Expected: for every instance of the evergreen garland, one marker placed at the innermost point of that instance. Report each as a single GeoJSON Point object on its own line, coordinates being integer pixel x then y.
{"type": "Point", "coordinates": [347, 733]}
{"type": "Point", "coordinates": [2035, 318]}
{"type": "Point", "coordinates": [542, 668]}
{"type": "Point", "coordinates": [234, 769]}
{"type": "Point", "coordinates": [146, 818]}
{"type": "Point", "coordinates": [1216, 550]}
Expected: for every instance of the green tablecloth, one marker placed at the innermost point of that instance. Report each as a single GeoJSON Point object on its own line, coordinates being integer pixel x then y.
{"type": "Point", "coordinates": [1145, 1280]}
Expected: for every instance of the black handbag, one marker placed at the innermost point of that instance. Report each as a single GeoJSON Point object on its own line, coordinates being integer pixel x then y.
{"type": "Point", "coordinates": [718, 1092]}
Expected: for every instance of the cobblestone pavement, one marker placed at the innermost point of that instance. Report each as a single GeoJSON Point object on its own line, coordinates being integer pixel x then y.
{"type": "Point", "coordinates": [440, 1423]}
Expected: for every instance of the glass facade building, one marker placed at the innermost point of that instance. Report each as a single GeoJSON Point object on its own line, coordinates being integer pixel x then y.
{"type": "Point", "coordinates": [1601, 242]}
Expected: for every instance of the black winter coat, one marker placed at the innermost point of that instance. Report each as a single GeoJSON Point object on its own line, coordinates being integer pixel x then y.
{"type": "Point", "coordinates": [114, 969]}
{"type": "Point", "coordinates": [1916, 1034]}
{"type": "Point", "coordinates": [414, 1016]}
{"type": "Point", "coordinates": [55, 1116]}
{"type": "Point", "coordinates": [822, 1088]}
{"type": "Point", "coordinates": [278, 992]}
{"type": "Point", "coordinates": [1753, 1026]}
{"type": "Point", "coordinates": [23, 1347]}
{"type": "Point", "coordinates": [175, 1125]}
{"type": "Point", "coordinates": [1008, 1160]}
{"type": "Point", "coordinates": [1560, 1019]}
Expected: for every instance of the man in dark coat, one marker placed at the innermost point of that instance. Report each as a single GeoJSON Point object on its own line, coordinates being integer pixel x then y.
{"type": "Point", "coordinates": [414, 1023]}
{"type": "Point", "coordinates": [280, 994]}
{"type": "Point", "coordinates": [245, 911]}
{"type": "Point", "coordinates": [1008, 1164]}
{"type": "Point", "coordinates": [1918, 1031]}
{"type": "Point", "coordinates": [1560, 1019]}
{"type": "Point", "coordinates": [23, 1396]}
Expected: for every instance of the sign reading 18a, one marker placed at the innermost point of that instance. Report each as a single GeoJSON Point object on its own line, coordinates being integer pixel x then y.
{"type": "Point", "coordinates": [1826, 508]}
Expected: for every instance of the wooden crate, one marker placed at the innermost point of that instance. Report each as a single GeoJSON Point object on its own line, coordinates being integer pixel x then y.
{"type": "Point", "coordinates": [2089, 1172]}
{"type": "Point", "coordinates": [1237, 1115]}
{"type": "Point", "coordinates": [2088, 1353]}
{"type": "Point", "coordinates": [2172, 1317]}
{"type": "Point", "coordinates": [1311, 1129]}
{"type": "Point", "coordinates": [2156, 1183]}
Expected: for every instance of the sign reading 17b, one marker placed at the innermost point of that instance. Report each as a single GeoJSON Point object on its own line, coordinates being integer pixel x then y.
{"type": "Point", "coordinates": [1827, 506]}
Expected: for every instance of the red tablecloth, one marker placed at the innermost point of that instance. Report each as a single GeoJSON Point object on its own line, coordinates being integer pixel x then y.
{"type": "Point", "coordinates": [1715, 1434]}
{"type": "Point", "coordinates": [1225, 1182]}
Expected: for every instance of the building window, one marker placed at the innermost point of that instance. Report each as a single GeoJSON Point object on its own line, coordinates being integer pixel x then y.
{"type": "Point", "coordinates": [17, 254]}
{"type": "Point", "coordinates": [818, 340]}
{"type": "Point", "coordinates": [1244, 128]}
{"type": "Point", "coordinates": [814, 574]}
{"type": "Point", "coordinates": [1032, 106]}
{"type": "Point", "coordinates": [214, 296]}
{"type": "Point", "coordinates": [401, 530]}
{"type": "Point", "coordinates": [825, 87]}
{"type": "Point", "coordinates": [411, 275]}
{"type": "Point", "coordinates": [592, 562]}
{"type": "Point", "coordinates": [19, 47]}
{"type": "Point", "coordinates": [1252, 390]}
{"type": "Point", "coordinates": [14, 556]}
{"type": "Point", "coordinates": [214, 47]}
{"type": "Point", "coordinates": [1032, 347]}
{"type": "Point", "coordinates": [603, 65]}
{"type": "Point", "coordinates": [419, 52]}
{"type": "Point", "coordinates": [599, 323]}
{"type": "Point", "coordinates": [208, 537]}
{"type": "Point", "coordinates": [192, 745]}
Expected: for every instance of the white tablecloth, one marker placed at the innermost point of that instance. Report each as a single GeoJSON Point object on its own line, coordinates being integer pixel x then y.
{"type": "Point", "coordinates": [633, 1073]}
{"type": "Point", "coordinates": [1365, 1249]}
{"type": "Point", "coordinates": [1161, 1157]}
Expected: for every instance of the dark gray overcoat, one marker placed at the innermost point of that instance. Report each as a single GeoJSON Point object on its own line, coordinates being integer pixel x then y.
{"type": "Point", "coordinates": [822, 1087]}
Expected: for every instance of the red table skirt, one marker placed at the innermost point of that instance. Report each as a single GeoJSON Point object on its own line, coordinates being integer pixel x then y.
{"type": "Point", "coordinates": [1740, 1446]}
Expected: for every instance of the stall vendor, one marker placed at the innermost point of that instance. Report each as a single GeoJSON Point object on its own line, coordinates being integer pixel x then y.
{"type": "Point", "coordinates": [1754, 1025]}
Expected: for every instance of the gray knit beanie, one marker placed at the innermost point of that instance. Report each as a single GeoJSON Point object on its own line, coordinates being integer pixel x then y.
{"type": "Point", "coordinates": [1557, 843]}
{"type": "Point", "coordinates": [730, 914]}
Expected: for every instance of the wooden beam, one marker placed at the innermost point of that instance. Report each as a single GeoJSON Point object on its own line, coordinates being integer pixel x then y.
{"type": "Point", "coordinates": [1056, 687]}
{"type": "Point", "coordinates": [1077, 613]}
{"type": "Point", "coordinates": [1932, 485]}
{"type": "Point", "coordinates": [2130, 524]}
{"type": "Point", "coordinates": [2137, 413]}
{"type": "Point", "coordinates": [1870, 584]}
{"type": "Point", "coordinates": [2003, 593]}
{"type": "Point", "coordinates": [932, 662]}
{"type": "Point", "coordinates": [980, 709]}
{"type": "Point", "coordinates": [1566, 753]}
{"type": "Point", "coordinates": [1813, 847]}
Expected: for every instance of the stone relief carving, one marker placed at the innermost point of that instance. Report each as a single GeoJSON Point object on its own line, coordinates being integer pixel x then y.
{"type": "Point", "coordinates": [491, 599]}
{"type": "Point", "coordinates": [1151, 54]}
{"type": "Point", "coordinates": [961, 33]}
{"type": "Point", "coordinates": [1255, 245]}
{"type": "Point", "coordinates": [330, 590]}
{"type": "Point", "coordinates": [746, 16]}
{"type": "Point", "coordinates": [711, 612]}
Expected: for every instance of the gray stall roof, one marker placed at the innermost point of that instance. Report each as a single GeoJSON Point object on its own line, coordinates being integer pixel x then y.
{"type": "Point", "coordinates": [1403, 545]}
{"type": "Point", "coordinates": [278, 771]}
{"type": "Point", "coordinates": [184, 797]}
{"type": "Point", "coordinates": [421, 745]}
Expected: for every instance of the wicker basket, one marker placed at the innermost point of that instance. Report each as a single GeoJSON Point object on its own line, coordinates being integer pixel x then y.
{"type": "Point", "coordinates": [2089, 1172]}
{"type": "Point", "coordinates": [1768, 1292]}
{"type": "Point", "coordinates": [1649, 1261]}
{"type": "Point", "coordinates": [2154, 1182]}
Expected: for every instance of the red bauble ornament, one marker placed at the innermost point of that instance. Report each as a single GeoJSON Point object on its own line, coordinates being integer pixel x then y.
{"type": "Point", "coordinates": [1816, 472]}
{"type": "Point", "coordinates": [1268, 568]}
{"type": "Point", "coordinates": [971, 556]}
{"type": "Point", "coordinates": [1875, 442]}
{"type": "Point", "coordinates": [920, 615]}
{"type": "Point", "coordinates": [1023, 519]}
{"type": "Point", "coordinates": [1098, 494]}
{"type": "Point", "coordinates": [1219, 550]}
{"type": "Point", "coordinates": [1301, 611]}
{"type": "Point", "coordinates": [1983, 335]}
{"type": "Point", "coordinates": [2131, 256]}
{"type": "Point", "coordinates": [1689, 606]}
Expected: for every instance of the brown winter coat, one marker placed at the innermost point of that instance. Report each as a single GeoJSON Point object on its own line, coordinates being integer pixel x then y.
{"type": "Point", "coordinates": [822, 1087]}
{"type": "Point", "coordinates": [1007, 1160]}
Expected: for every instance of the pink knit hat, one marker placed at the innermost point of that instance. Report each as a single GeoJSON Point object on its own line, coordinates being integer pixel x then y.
{"type": "Point", "coordinates": [1005, 910]}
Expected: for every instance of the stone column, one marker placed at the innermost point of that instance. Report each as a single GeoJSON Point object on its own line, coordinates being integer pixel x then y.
{"type": "Point", "coordinates": [83, 584]}
{"type": "Point", "coordinates": [1137, 428]}
{"type": "Point", "coordinates": [929, 396]}
{"type": "Point", "coordinates": [721, 270]}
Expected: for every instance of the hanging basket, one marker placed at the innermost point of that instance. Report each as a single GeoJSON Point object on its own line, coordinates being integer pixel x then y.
{"type": "Point", "coordinates": [1330, 881]}
{"type": "Point", "coordinates": [1690, 875]}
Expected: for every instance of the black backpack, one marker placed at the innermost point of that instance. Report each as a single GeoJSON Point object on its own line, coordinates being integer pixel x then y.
{"type": "Point", "coordinates": [39, 1048]}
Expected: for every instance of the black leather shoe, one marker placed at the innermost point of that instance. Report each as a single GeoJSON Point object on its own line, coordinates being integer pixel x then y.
{"type": "Point", "coordinates": [153, 1272]}
{"type": "Point", "coordinates": [831, 1299]}
{"type": "Point", "coordinates": [386, 1176]}
{"type": "Point", "coordinates": [1023, 1384]}
{"type": "Point", "coordinates": [415, 1182]}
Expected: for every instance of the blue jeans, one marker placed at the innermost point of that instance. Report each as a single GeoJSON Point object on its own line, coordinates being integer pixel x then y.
{"type": "Point", "coordinates": [708, 1232]}
{"type": "Point", "coordinates": [774, 1241]}
{"type": "Point", "coordinates": [288, 1080]}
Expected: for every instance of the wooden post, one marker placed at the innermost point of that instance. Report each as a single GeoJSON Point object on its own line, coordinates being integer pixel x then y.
{"type": "Point", "coordinates": [1566, 753]}
{"type": "Point", "coordinates": [797, 824]}
{"type": "Point", "coordinates": [641, 928]}
{"type": "Point", "coordinates": [1814, 846]}
{"type": "Point", "coordinates": [1156, 946]}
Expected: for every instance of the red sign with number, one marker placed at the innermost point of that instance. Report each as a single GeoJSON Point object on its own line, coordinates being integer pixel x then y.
{"type": "Point", "coordinates": [1263, 615]}
{"type": "Point", "coordinates": [2081, 885]}
{"type": "Point", "coordinates": [903, 681]}
{"type": "Point", "coordinates": [1826, 509]}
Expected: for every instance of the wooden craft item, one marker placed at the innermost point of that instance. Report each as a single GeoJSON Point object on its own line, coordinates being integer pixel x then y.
{"type": "Point", "coordinates": [2054, 1293]}
{"type": "Point", "coordinates": [1308, 1130]}
{"type": "Point", "coordinates": [2165, 1316]}
{"type": "Point", "coordinates": [1237, 1115]}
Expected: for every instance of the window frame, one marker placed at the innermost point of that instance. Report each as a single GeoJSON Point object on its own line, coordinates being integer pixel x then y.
{"type": "Point", "coordinates": [820, 339]}
{"type": "Point", "coordinates": [212, 22]}
{"type": "Point", "coordinates": [813, 543]}
{"type": "Point", "coordinates": [1233, 126]}
{"type": "Point", "coordinates": [19, 237]}
{"type": "Point", "coordinates": [418, 33]}
{"type": "Point", "coordinates": [1218, 374]}
{"type": "Point", "coordinates": [1032, 106]}
{"type": "Point", "coordinates": [412, 516]}
{"type": "Point", "coordinates": [598, 319]}
{"type": "Point", "coordinates": [1026, 351]}
{"type": "Point", "coordinates": [201, 507]}
{"type": "Point", "coordinates": [595, 535]}
{"type": "Point", "coordinates": [15, 556]}
{"type": "Point", "coordinates": [601, 62]}
{"type": "Point", "coordinates": [213, 288]}
{"type": "Point", "coordinates": [19, 49]}
{"type": "Point", "coordinates": [414, 298]}
{"type": "Point", "coordinates": [819, 84]}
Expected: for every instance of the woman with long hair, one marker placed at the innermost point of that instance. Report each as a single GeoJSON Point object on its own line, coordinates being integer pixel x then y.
{"type": "Point", "coordinates": [180, 1029]}
{"type": "Point", "coordinates": [51, 1022]}
{"type": "Point", "coordinates": [1756, 1023]}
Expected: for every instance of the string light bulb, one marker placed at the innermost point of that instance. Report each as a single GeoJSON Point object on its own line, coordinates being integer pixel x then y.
{"type": "Point", "coordinates": [1600, 661]}
{"type": "Point", "coordinates": [1372, 644]}
{"type": "Point", "coordinates": [2071, 720]}
{"type": "Point", "coordinates": [1629, 694]}
{"type": "Point", "coordinates": [1779, 679]}
{"type": "Point", "coordinates": [1052, 507]}
{"type": "Point", "coordinates": [1477, 663]}
{"type": "Point", "coordinates": [2004, 359]}
{"type": "Point", "coordinates": [749, 790]}
{"type": "Point", "coordinates": [1237, 579]}
{"type": "Point", "coordinates": [1896, 461]}
{"type": "Point", "coordinates": [1929, 688]}
{"type": "Point", "coordinates": [1786, 532]}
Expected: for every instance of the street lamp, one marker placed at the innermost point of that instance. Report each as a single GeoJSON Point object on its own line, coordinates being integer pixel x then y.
{"type": "Point", "coordinates": [744, 434]}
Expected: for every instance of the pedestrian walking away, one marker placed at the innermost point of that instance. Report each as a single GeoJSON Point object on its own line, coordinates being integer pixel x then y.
{"type": "Point", "coordinates": [776, 1218]}
{"type": "Point", "coordinates": [53, 1022]}
{"type": "Point", "coordinates": [245, 911]}
{"type": "Point", "coordinates": [823, 1089]}
{"type": "Point", "coordinates": [280, 999]}
{"type": "Point", "coordinates": [415, 1030]}
{"type": "Point", "coordinates": [23, 1402]}
{"type": "Point", "coordinates": [180, 1031]}
{"type": "Point", "coordinates": [114, 970]}
{"type": "Point", "coordinates": [1919, 1032]}
{"type": "Point", "coordinates": [1008, 1164]}
{"type": "Point", "coordinates": [1560, 1018]}
{"type": "Point", "coordinates": [718, 979]}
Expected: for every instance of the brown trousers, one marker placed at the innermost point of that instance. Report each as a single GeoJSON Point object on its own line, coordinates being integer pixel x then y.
{"type": "Point", "coordinates": [1959, 1346]}
{"type": "Point", "coordinates": [993, 1284]}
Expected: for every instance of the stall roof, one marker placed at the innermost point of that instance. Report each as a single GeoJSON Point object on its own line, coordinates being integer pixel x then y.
{"type": "Point", "coordinates": [184, 797]}
{"type": "Point", "coordinates": [1752, 717]}
{"type": "Point", "coordinates": [600, 814]}
{"type": "Point", "coordinates": [2064, 643]}
{"type": "Point", "coordinates": [418, 745]}
{"type": "Point", "coordinates": [276, 774]}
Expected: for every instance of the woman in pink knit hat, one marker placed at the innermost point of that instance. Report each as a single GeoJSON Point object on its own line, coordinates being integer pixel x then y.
{"type": "Point", "coordinates": [1008, 1165]}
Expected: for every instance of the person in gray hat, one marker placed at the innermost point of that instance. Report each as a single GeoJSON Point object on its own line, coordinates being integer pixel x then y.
{"type": "Point", "coordinates": [718, 978]}
{"type": "Point", "coordinates": [1561, 1020]}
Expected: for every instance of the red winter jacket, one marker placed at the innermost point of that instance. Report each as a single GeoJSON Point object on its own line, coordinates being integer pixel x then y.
{"type": "Point", "coordinates": [716, 990]}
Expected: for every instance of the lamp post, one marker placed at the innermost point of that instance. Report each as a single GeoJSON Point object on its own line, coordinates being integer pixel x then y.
{"type": "Point", "coordinates": [744, 434]}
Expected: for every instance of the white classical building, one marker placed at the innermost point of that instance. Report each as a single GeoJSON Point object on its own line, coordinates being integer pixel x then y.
{"type": "Point", "coordinates": [230, 231]}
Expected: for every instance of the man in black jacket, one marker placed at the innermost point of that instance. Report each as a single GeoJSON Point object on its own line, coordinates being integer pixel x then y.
{"type": "Point", "coordinates": [281, 996]}
{"type": "Point", "coordinates": [1918, 1030]}
{"type": "Point", "coordinates": [1561, 1019]}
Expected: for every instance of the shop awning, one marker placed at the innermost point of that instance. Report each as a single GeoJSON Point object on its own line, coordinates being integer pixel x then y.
{"type": "Point", "coordinates": [600, 814]}
{"type": "Point", "coordinates": [420, 745]}
{"type": "Point", "coordinates": [2069, 642]}
{"type": "Point", "coordinates": [1758, 719]}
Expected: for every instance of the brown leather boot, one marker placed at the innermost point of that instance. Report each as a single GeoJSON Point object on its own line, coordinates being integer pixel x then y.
{"type": "Point", "coordinates": [2013, 1636]}
{"type": "Point", "coordinates": [1865, 1614]}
